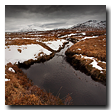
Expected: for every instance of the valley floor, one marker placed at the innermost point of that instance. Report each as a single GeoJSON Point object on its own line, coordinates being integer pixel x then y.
{"type": "Point", "coordinates": [88, 53]}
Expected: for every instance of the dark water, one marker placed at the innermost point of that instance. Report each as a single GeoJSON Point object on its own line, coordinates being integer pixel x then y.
{"type": "Point", "coordinates": [60, 78]}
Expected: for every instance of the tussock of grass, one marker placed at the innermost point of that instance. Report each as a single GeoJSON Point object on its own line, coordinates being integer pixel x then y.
{"type": "Point", "coordinates": [19, 50]}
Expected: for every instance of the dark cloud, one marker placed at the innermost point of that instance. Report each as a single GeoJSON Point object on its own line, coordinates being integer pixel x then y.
{"type": "Point", "coordinates": [11, 10]}
{"type": "Point", "coordinates": [51, 15]}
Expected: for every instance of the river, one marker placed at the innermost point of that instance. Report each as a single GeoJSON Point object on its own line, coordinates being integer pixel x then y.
{"type": "Point", "coordinates": [60, 78]}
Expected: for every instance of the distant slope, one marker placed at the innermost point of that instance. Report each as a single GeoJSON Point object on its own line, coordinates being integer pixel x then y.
{"type": "Point", "coordinates": [90, 25]}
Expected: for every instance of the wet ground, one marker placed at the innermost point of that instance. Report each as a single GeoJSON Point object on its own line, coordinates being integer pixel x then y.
{"type": "Point", "coordinates": [60, 78]}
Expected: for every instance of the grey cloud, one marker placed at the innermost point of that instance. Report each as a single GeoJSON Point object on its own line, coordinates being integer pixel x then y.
{"type": "Point", "coordinates": [51, 16]}
{"type": "Point", "coordinates": [11, 10]}
{"type": "Point", "coordinates": [53, 24]}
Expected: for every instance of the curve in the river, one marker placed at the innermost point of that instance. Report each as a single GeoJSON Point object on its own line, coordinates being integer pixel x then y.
{"type": "Point", "coordinates": [60, 78]}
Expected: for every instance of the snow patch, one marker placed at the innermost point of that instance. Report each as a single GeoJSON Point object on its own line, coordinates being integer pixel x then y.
{"type": "Point", "coordinates": [27, 52]}
{"type": "Point", "coordinates": [94, 63]}
{"type": "Point", "coordinates": [7, 79]}
{"type": "Point", "coordinates": [11, 69]}
{"type": "Point", "coordinates": [83, 33]}
{"type": "Point", "coordinates": [88, 37]}
{"type": "Point", "coordinates": [55, 44]}
{"type": "Point", "coordinates": [78, 49]}
{"type": "Point", "coordinates": [68, 35]}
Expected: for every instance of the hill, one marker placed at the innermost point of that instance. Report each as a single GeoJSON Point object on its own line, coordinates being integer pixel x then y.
{"type": "Point", "coordinates": [90, 25]}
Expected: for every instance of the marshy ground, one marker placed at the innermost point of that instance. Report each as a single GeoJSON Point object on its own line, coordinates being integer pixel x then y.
{"type": "Point", "coordinates": [88, 53]}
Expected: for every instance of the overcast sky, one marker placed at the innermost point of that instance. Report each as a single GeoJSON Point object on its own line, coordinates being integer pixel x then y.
{"type": "Point", "coordinates": [45, 17]}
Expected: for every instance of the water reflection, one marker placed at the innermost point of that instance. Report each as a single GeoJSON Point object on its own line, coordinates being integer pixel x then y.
{"type": "Point", "coordinates": [57, 73]}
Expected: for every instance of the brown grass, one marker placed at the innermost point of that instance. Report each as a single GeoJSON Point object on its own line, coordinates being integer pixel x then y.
{"type": "Point", "coordinates": [41, 41]}
{"type": "Point", "coordinates": [19, 50]}
{"type": "Point", "coordinates": [9, 38]}
{"type": "Point", "coordinates": [95, 47]}
{"type": "Point", "coordinates": [21, 91]}
{"type": "Point", "coordinates": [95, 33]}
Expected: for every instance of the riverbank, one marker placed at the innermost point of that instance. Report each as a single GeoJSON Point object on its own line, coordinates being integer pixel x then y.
{"type": "Point", "coordinates": [29, 50]}
{"type": "Point", "coordinates": [60, 78]}
{"type": "Point", "coordinates": [89, 55]}
{"type": "Point", "coordinates": [19, 90]}
{"type": "Point", "coordinates": [23, 52]}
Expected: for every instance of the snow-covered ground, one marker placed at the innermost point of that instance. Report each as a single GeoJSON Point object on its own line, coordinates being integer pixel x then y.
{"type": "Point", "coordinates": [73, 34]}
{"type": "Point", "coordinates": [93, 63]}
{"type": "Point", "coordinates": [15, 53]}
{"type": "Point", "coordinates": [88, 37]}
{"type": "Point", "coordinates": [55, 44]}
{"type": "Point", "coordinates": [27, 52]}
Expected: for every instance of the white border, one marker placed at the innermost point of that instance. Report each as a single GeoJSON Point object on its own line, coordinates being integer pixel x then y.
{"type": "Point", "coordinates": [47, 2]}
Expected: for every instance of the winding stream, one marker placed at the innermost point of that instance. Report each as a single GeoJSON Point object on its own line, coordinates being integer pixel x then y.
{"type": "Point", "coordinates": [60, 78]}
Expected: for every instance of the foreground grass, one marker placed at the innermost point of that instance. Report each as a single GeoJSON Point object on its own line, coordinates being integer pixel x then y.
{"type": "Point", "coordinates": [21, 91]}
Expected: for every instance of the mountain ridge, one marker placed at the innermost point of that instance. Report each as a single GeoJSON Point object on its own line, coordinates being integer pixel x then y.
{"type": "Point", "coordinates": [88, 25]}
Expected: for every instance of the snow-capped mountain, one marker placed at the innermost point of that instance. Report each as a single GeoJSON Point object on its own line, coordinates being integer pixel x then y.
{"type": "Point", "coordinates": [28, 28]}
{"type": "Point", "coordinates": [90, 25]}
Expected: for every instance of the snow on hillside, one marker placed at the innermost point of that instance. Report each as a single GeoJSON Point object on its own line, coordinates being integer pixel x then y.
{"type": "Point", "coordinates": [90, 25]}
{"type": "Point", "coordinates": [85, 25]}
